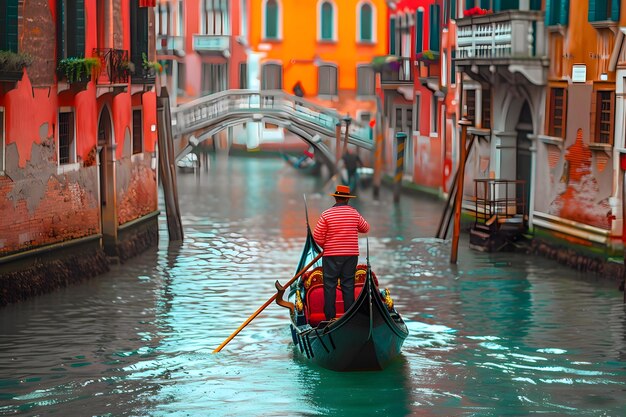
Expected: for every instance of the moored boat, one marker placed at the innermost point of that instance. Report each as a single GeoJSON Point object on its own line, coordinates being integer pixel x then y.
{"type": "Point", "coordinates": [366, 337]}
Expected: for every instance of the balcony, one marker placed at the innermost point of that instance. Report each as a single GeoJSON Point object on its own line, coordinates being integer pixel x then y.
{"type": "Point", "coordinates": [170, 46]}
{"type": "Point", "coordinates": [397, 73]}
{"type": "Point", "coordinates": [513, 40]}
{"type": "Point", "coordinates": [114, 71]}
{"type": "Point", "coordinates": [212, 45]}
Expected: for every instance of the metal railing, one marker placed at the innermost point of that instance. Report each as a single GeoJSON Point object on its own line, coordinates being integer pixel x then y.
{"type": "Point", "coordinates": [402, 73]}
{"type": "Point", "coordinates": [114, 66]}
{"type": "Point", "coordinates": [509, 34]}
{"type": "Point", "coordinates": [497, 201]}
{"type": "Point", "coordinates": [213, 109]}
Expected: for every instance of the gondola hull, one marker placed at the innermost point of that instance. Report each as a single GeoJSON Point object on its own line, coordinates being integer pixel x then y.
{"type": "Point", "coordinates": [366, 338]}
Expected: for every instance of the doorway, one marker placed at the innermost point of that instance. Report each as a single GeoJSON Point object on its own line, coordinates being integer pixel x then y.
{"type": "Point", "coordinates": [523, 154]}
{"type": "Point", "coordinates": [106, 174]}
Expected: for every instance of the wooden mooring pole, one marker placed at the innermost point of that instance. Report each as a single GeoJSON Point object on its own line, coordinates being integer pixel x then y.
{"type": "Point", "coordinates": [397, 179]}
{"type": "Point", "coordinates": [458, 201]}
{"type": "Point", "coordinates": [167, 167]}
{"type": "Point", "coordinates": [379, 127]}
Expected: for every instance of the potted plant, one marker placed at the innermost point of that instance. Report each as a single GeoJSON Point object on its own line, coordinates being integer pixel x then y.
{"type": "Point", "coordinates": [150, 68]}
{"type": "Point", "coordinates": [427, 56]}
{"type": "Point", "coordinates": [12, 65]}
{"type": "Point", "coordinates": [78, 70]}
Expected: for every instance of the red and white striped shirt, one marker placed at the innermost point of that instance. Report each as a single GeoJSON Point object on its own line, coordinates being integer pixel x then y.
{"type": "Point", "coordinates": [337, 230]}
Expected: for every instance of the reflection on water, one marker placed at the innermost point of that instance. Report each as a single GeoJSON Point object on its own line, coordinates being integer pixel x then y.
{"type": "Point", "coordinates": [495, 335]}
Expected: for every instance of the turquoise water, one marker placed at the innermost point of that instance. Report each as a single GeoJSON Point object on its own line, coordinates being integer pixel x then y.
{"type": "Point", "coordinates": [496, 335]}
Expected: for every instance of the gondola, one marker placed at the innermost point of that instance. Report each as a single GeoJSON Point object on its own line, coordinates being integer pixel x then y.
{"type": "Point", "coordinates": [365, 338]}
{"type": "Point", "coordinates": [304, 163]}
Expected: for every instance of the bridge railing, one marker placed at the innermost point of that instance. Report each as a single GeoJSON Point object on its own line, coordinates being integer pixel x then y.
{"type": "Point", "coordinates": [208, 110]}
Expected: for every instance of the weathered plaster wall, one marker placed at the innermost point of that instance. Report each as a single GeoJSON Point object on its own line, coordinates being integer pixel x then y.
{"type": "Point", "coordinates": [136, 188]}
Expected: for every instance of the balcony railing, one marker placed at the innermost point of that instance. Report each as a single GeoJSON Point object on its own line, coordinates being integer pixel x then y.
{"type": "Point", "coordinates": [211, 44]}
{"type": "Point", "coordinates": [399, 72]}
{"type": "Point", "coordinates": [114, 66]}
{"type": "Point", "coordinates": [512, 34]}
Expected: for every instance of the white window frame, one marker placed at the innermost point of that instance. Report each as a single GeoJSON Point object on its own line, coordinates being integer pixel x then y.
{"type": "Point", "coordinates": [3, 144]}
{"type": "Point", "coordinates": [320, 3]}
{"type": "Point", "coordinates": [279, 31]}
{"type": "Point", "coordinates": [359, 20]}
{"type": "Point", "coordinates": [73, 165]}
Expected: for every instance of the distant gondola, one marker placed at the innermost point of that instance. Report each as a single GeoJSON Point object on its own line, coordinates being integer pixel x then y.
{"type": "Point", "coordinates": [364, 338]}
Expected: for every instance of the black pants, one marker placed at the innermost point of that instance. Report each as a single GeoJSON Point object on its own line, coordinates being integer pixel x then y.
{"type": "Point", "coordinates": [334, 268]}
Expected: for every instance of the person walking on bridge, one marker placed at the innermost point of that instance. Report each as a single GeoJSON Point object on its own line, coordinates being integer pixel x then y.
{"type": "Point", "coordinates": [337, 232]}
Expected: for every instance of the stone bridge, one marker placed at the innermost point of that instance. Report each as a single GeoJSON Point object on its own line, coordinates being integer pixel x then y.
{"type": "Point", "coordinates": [198, 120]}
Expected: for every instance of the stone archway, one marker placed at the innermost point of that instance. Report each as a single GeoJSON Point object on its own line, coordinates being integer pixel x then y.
{"type": "Point", "coordinates": [106, 158]}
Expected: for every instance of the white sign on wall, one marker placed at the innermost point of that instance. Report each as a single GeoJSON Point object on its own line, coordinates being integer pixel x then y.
{"type": "Point", "coordinates": [579, 73]}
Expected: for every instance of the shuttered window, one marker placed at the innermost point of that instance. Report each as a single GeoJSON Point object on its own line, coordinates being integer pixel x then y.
{"type": "Point", "coordinates": [243, 75]}
{"type": "Point", "coordinates": [600, 10]}
{"type": "Point", "coordinates": [137, 131]}
{"type": "Point", "coordinates": [271, 19]}
{"type": "Point", "coordinates": [138, 35]}
{"type": "Point", "coordinates": [8, 25]}
{"type": "Point", "coordinates": [214, 78]}
{"type": "Point", "coordinates": [392, 35]}
{"type": "Point", "coordinates": [366, 84]}
{"type": "Point", "coordinates": [470, 104]}
{"type": "Point", "coordinates": [557, 12]}
{"type": "Point", "coordinates": [486, 108]}
{"type": "Point", "coordinates": [70, 28]}
{"type": "Point", "coordinates": [419, 30]}
{"type": "Point", "coordinates": [604, 117]}
{"type": "Point", "coordinates": [2, 141]}
{"type": "Point", "coordinates": [556, 112]}
{"type": "Point", "coordinates": [327, 80]}
{"type": "Point", "coordinates": [453, 67]}
{"type": "Point", "coordinates": [452, 9]}
{"type": "Point", "coordinates": [500, 5]}
{"type": "Point", "coordinates": [435, 23]}
{"type": "Point", "coordinates": [272, 77]}
{"type": "Point", "coordinates": [365, 21]}
{"type": "Point", "coordinates": [326, 21]}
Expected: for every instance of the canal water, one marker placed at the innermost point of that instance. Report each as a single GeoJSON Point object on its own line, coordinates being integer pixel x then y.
{"type": "Point", "coordinates": [497, 335]}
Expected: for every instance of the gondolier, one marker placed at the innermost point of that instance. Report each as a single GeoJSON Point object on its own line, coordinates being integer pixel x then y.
{"type": "Point", "coordinates": [337, 232]}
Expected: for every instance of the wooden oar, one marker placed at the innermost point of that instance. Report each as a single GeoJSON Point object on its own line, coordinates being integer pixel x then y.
{"type": "Point", "coordinates": [268, 302]}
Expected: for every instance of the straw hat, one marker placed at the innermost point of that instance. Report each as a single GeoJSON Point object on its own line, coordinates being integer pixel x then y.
{"type": "Point", "coordinates": [343, 191]}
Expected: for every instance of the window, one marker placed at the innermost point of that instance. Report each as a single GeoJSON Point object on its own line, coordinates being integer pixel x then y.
{"type": "Point", "coordinates": [8, 25]}
{"type": "Point", "coordinates": [434, 117]}
{"type": "Point", "coordinates": [139, 35]}
{"type": "Point", "coordinates": [435, 32]}
{"type": "Point", "coordinates": [557, 12]}
{"type": "Point", "coordinates": [162, 19]}
{"type": "Point", "coordinates": [271, 19]}
{"type": "Point", "coordinates": [416, 112]}
{"type": "Point", "coordinates": [470, 105]}
{"type": "Point", "coordinates": [419, 30]}
{"type": "Point", "coordinates": [485, 105]}
{"type": "Point", "coordinates": [272, 77]}
{"type": "Point", "coordinates": [137, 131]}
{"type": "Point", "coordinates": [453, 67]}
{"type": "Point", "coordinates": [366, 81]}
{"type": "Point", "coordinates": [180, 27]}
{"type": "Point", "coordinates": [214, 78]}
{"type": "Point", "coordinates": [243, 75]}
{"type": "Point", "coordinates": [366, 32]}
{"type": "Point", "coordinates": [363, 117]}
{"type": "Point", "coordinates": [327, 80]}
{"type": "Point", "coordinates": [215, 17]}
{"type": "Point", "coordinates": [67, 139]}
{"type": "Point", "coordinates": [601, 10]}
{"type": "Point", "coordinates": [604, 117]}
{"type": "Point", "coordinates": [181, 78]}
{"type": "Point", "coordinates": [327, 24]}
{"type": "Point", "coordinates": [556, 112]}
{"type": "Point", "coordinates": [2, 142]}
{"type": "Point", "coordinates": [70, 28]}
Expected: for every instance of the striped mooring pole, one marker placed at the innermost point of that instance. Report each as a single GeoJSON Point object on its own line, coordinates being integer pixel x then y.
{"type": "Point", "coordinates": [397, 179]}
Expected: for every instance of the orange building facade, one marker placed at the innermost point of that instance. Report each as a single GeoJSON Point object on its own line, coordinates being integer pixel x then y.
{"type": "Point", "coordinates": [321, 50]}
{"type": "Point", "coordinates": [77, 126]}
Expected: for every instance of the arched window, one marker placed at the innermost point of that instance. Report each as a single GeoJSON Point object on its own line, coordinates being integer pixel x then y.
{"type": "Point", "coordinates": [326, 21]}
{"type": "Point", "coordinates": [272, 76]}
{"type": "Point", "coordinates": [271, 19]}
{"type": "Point", "coordinates": [365, 23]}
{"type": "Point", "coordinates": [327, 80]}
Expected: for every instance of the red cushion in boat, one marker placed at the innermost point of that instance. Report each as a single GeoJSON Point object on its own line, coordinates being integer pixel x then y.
{"type": "Point", "coordinates": [315, 303]}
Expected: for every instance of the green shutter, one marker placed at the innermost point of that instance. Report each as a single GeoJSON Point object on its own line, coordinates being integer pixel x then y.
{"type": "Point", "coordinates": [469, 4]}
{"type": "Point", "coordinates": [548, 17]}
{"type": "Point", "coordinates": [138, 35]}
{"type": "Point", "coordinates": [535, 5]}
{"type": "Point", "coordinates": [8, 25]}
{"type": "Point", "coordinates": [419, 31]}
{"type": "Point", "coordinates": [597, 10]}
{"type": "Point", "coordinates": [271, 20]}
{"type": "Point", "coordinates": [615, 10]}
{"type": "Point", "coordinates": [327, 21]}
{"type": "Point", "coordinates": [452, 9]}
{"type": "Point", "coordinates": [79, 34]}
{"type": "Point", "coordinates": [563, 17]}
{"type": "Point", "coordinates": [453, 67]}
{"type": "Point", "coordinates": [392, 36]}
{"type": "Point", "coordinates": [61, 19]}
{"type": "Point", "coordinates": [434, 28]}
{"type": "Point", "coordinates": [501, 5]}
{"type": "Point", "coordinates": [366, 22]}
{"type": "Point", "coordinates": [485, 4]}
